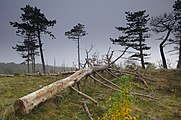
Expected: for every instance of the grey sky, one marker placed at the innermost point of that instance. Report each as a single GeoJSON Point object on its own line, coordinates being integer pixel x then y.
{"type": "Point", "coordinates": [99, 17]}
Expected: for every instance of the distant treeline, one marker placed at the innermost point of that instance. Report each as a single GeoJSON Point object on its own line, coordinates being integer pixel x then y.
{"type": "Point", "coordinates": [13, 68]}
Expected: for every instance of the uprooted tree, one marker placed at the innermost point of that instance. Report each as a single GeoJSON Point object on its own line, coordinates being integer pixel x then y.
{"type": "Point", "coordinates": [25, 104]}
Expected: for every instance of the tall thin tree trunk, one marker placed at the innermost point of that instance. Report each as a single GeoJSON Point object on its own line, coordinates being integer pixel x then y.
{"type": "Point", "coordinates": [54, 64]}
{"type": "Point", "coordinates": [78, 46]}
{"type": "Point", "coordinates": [78, 83]}
{"type": "Point", "coordinates": [29, 55]}
{"type": "Point", "coordinates": [41, 53]}
{"type": "Point", "coordinates": [28, 61]}
{"type": "Point", "coordinates": [163, 57]}
{"type": "Point", "coordinates": [33, 62]}
{"type": "Point", "coordinates": [142, 59]}
{"type": "Point", "coordinates": [179, 60]}
{"type": "Point", "coordinates": [162, 52]}
{"type": "Point", "coordinates": [141, 52]}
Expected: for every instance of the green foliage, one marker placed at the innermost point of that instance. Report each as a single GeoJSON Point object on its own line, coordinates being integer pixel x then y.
{"type": "Point", "coordinates": [120, 103]}
{"type": "Point", "coordinates": [135, 34]}
{"type": "Point", "coordinates": [34, 23]}
{"type": "Point", "coordinates": [67, 105]}
{"type": "Point", "coordinates": [77, 32]}
{"type": "Point", "coordinates": [37, 20]}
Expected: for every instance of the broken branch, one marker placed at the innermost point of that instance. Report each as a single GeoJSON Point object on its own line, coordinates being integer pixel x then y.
{"type": "Point", "coordinates": [84, 95]}
{"type": "Point", "coordinates": [87, 110]}
{"type": "Point", "coordinates": [108, 80]}
{"type": "Point", "coordinates": [103, 83]}
{"type": "Point", "coordinates": [111, 73]}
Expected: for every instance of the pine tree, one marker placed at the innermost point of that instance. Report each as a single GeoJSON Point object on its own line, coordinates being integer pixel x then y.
{"type": "Point", "coordinates": [135, 35]}
{"type": "Point", "coordinates": [28, 48]}
{"type": "Point", "coordinates": [40, 24]}
{"type": "Point", "coordinates": [76, 33]}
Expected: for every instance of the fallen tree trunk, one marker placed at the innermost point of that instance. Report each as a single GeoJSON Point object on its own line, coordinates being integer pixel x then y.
{"type": "Point", "coordinates": [25, 104]}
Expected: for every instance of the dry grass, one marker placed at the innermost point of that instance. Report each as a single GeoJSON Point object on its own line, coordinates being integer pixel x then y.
{"type": "Point", "coordinates": [163, 84]}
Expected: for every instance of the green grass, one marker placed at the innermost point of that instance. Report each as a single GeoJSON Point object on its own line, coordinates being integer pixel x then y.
{"type": "Point", "coordinates": [67, 105]}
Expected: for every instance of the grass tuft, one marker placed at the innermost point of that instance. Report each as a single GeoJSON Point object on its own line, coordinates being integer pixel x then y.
{"type": "Point", "coordinates": [67, 105]}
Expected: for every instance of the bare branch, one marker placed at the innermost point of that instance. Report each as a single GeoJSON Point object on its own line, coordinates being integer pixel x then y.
{"type": "Point", "coordinates": [107, 80]}
{"type": "Point", "coordinates": [120, 55]}
{"type": "Point", "coordinates": [84, 95]}
{"type": "Point", "coordinates": [103, 83]}
{"type": "Point", "coordinates": [87, 110]}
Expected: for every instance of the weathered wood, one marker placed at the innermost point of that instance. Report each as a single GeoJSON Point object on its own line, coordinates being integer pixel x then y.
{"type": "Point", "coordinates": [108, 80]}
{"type": "Point", "coordinates": [67, 72]}
{"type": "Point", "coordinates": [104, 84]}
{"type": "Point", "coordinates": [87, 110]}
{"type": "Point", "coordinates": [143, 95]}
{"type": "Point", "coordinates": [136, 74]}
{"type": "Point", "coordinates": [111, 73]}
{"type": "Point", "coordinates": [25, 104]}
{"type": "Point", "coordinates": [84, 95]}
{"type": "Point", "coordinates": [6, 75]}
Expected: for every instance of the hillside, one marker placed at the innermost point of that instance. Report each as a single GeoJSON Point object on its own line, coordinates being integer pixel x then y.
{"type": "Point", "coordinates": [163, 85]}
{"type": "Point", "coordinates": [12, 68]}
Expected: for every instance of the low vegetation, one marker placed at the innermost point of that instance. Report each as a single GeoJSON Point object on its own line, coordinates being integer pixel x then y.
{"type": "Point", "coordinates": [163, 85]}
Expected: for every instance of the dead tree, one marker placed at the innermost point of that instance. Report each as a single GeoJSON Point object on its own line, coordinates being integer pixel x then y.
{"type": "Point", "coordinates": [25, 104]}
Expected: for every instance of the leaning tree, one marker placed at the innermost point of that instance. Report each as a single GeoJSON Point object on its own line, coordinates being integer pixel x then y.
{"type": "Point", "coordinates": [177, 15]}
{"type": "Point", "coordinates": [40, 24]}
{"type": "Point", "coordinates": [135, 34]}
{"type": "Point", "coordinates": [163, 24]}
{"type": "Point", "coordinates": [76, 33]}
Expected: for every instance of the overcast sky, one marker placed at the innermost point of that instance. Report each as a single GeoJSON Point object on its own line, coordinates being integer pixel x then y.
{"type": "Point", "coordinates": [99, 17]}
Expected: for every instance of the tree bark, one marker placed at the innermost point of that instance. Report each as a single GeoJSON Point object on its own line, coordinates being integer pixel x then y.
{"type": "Point", "coordinates": [84, 95]}
{"type": "Point", "coordinates": [25, 104]}
{"type": "Point", "coordinates": [78, 47]}
{"type": "Point", "coordinates": [87, 110]}
{"type": "Point", "coordinates": [120, 55]}
{"type": "Point", "coordinates": [41, 53]}
{"type": "Point", "coordinates": [161, 50]}
{"type": "Point", "coordinates": [179, 61]}
{"type": "Point", "coordinates": [28, 61]}
{"type": "Point", "coordinates": [141, 52]}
